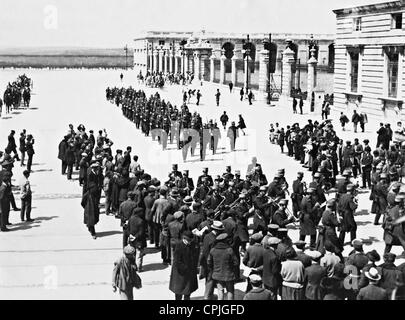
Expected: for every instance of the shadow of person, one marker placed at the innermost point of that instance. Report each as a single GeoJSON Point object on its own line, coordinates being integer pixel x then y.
{"type": "Point", "coordinates": [154, 267]}
{"type": "Point", "coordinates": [107, 233]}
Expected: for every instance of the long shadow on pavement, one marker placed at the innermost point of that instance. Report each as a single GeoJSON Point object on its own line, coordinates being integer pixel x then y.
{"type": "Point", "coordinates": [107, 233]}
{"type": "Point", "coordinates": [154, 267]}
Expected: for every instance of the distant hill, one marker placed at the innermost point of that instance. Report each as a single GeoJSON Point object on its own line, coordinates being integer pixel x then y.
{"type": "Point", "coordinates": [60, 57]}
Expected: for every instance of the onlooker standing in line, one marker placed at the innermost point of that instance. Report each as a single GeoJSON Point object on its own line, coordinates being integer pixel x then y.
{"type": "Point", "coordinates": [26, 197]}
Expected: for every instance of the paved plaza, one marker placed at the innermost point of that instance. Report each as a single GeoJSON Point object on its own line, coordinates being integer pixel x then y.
{"type": "Point", "coordinates": [55, 257]}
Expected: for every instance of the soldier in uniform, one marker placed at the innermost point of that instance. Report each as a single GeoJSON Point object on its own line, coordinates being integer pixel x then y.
{"type": "Point", "coordinates": [205, 175]}
{"type": "Point", "coordinates": [262, 205]}
{"type": "Point", "coordinates": [281, 217]}
{"type": "Point", "coordinates": [309, 216]}
{"type": "Point", "coordinates": [380, 194]}
{"type": "Point", "coordinates": [347, 206]}
{"type": "Point", "coordinates": [202, 191]}
{"type": "Point", "coordinates": [213, 200]}
{"type": "Point", "coordinates": [228, 175]}
{"type": "Point", "coordinates": [330, 221]}
{"type": "Point", "coordinates": [298, 193]}
{"type": "Point", "coordinates": [186, 184]}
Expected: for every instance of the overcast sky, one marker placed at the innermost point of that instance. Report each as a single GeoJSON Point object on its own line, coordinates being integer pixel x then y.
{"type": "Point", "coordinates": [114, 23]}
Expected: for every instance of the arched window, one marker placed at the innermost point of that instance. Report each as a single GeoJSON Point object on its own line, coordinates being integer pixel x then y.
{"type": "Point", "coordinates": [228, 47]}
{"type": "Point", "coordinates": [331, 55]}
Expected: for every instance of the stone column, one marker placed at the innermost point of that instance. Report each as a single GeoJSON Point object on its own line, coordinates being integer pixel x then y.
{"type": "Point", "coordinates": [155, 62]}
{"type": "Point", "coordinates": [170, 61]}
{"type": "Point", "coordinates": [212, 67]}
{"type": "Point", "coordinates": [203, 71]}
{"type": "Point", "coordinates": [150, 61]}
{"type": "Point", "coordinates": [247, 73]}
{"type": "Point", "coordinates": [176, 63]}
{"type": "Point", "coordinates": [160, 68]}
{"type": "Point", "coordinates": [312, 63]}
{"type": "Point", "coordinates": [288, 60]}
{"type": "Point", "coordinates": [263, 72]}
{"type": "Point", "coordinates": [197, 62]}
{"type": "Point", "coordinates": [233, 66]}
{"type": "Point", "coordinates": [222, 68]}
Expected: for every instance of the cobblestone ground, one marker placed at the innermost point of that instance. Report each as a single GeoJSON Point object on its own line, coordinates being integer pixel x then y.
{"type": "Point", "coordinates": [55, 257]}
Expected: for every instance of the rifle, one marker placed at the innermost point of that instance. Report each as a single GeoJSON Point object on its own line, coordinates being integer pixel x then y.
{"type": "Point", "coordinates": [217, 210]}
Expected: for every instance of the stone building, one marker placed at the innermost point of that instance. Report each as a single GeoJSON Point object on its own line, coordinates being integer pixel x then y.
{"type": "Point", "coordinates": [369, 59]}
{"type": "Point", "coordinates": [221, 58]}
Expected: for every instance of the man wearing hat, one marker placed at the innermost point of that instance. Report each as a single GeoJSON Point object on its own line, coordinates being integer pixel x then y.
{"type": "Point", "coordinates": [175, 172]}
{"type": "Point", "coordinates": [176, 229]}
{"type": "Point", "coordinates": [309, 216]}
{"type": "Point", "coordinates": [298, 193]}
{"type": "Point", "coordinates": [195, 218]}
{"type": "Point", "coordinates": [186, 184]}
{"type": "Point", "coordinates": [205, 175]}
{"type": "Point", "coordinates": [373, 257]}
{"type": "Point", "coordinates": [208, 243]}
{"type": "Point", "coordinates": [313, 276]}
{"type": "Point", "coordinates": [228, 175]}
{"type": "Point", "coordinates": [357, 259]}
{"type": "Point", "coordinates": [63, 145]}
{"type": "Point", "coordinates": [242, 213]}
{"type": "Point", "coordinates": [330, 222]}
{"type": "Point", "coordinates": [125, 212]}
{"type": "Point", "coordinates": [257, 292]}
{"type": "Point", "coordinates": [258, 177]}
{"type": "Point", "coordinates": [276, 190]}
{"type": "Point", "coordinates": [342, 183]}
{"type": "Point", "coordinates": [213, 200]}
{"type": "Point", "coordinates": [317, 184]}
{"type": "Point", "coordinates": [222, 262]}
{"type": "Point", "coordinates": [12, 146]}
{"type": "Point", "coordinates": [380, 196]}
{"type": "Point", "coordinates": [124, 273]}
{"type": "Point", "coordinates": [281, 217]}
{"type": "Point", "coordinates": [292, 273]}
{"type": "Point", "coordinates": [366, 162]}
{"type": "Point", "coordinates": [285, 244]}
{"type": "Point", "coordinates": [262, 213]}
{"type": "Point", "coordinates": [158, 211]}
{"type": "Point", "coordinates": [202, 191]}
{"type": "Point", "coordinates": [389, 273]}
{"type": "Point", "coordinates": [347, 206]}
{"type": "Point", "coordinates": [233, 134]}
{"type": "Point", "coordinates": [183, 277]}
{"type": "Point", "coordinates": [271, 267]}
{"type": "Point", "coordinates": [373, 291]}
{"type": "Point", "coordinates": [148, 203]}
{"type": "Point", "coordinates": [137, 235]}
{"type": "Point", "coordinates": [302, 255]}
{"type": "Point", "coordinates": [238, 182]}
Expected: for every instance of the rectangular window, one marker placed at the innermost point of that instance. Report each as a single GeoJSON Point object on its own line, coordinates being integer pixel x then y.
{"type": "Point", "coordinates": [397, 21]}
{"type": "Point", "coordinates": [354, 71]}
{"type": "Point", "coordinates": [357, 24]}
{"type": "Point", "coordinates": [393, 75]}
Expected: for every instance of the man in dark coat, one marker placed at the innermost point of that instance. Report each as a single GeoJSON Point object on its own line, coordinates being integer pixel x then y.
{"type": "Point", "coordinates": [183, 277]}
{"type": "Point", "coordinates": [69, 158]}
{"type": "Point", "coordinates": [389, 273]}
{"type": "Point", "coordinates": [346, 208]}
{"type": "Point", "coordinates": [272, 267]}
{"type": "Point", "coordinates": [330, 222]}
{"type": "Point", "coordinates": [5, 190]}
{"type": "Point", "coordinates": [12, 146]}
{"type": "Point", "coordinates": [207, 176]}
{"type": "Point", "coordinates": [309, 216]}
{"type": "Point", "coordinates": [148, 202]}
{"type": "Point", "coordinates": [373, 291]}
{"type": "Point", "coordinates": [222, 261]}
{"type": "Point", "coordinates": [298, 193]}
{"type": "Point", "coordinates": [137, 237]}
{"type": "Point", "coordinates": [194, 219]}
{"type": "Point", "coordinates": [90, 199]}
{"type": "Point", "coordinates": [313, 276]}
{"type": "Point", "coordinates": [208, 243]}
{"type": "Point", "coordinates": [125, 212]}
{"type": "Point", "coordinates": [257, 292]}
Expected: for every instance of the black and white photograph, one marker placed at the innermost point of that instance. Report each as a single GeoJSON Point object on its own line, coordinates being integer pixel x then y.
{"type": "Point", "coordinates": [209, 150]}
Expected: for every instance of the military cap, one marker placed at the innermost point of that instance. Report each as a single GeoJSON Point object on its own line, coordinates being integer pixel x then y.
{"type": "Point", "coordinates": [273, 241]}
{"type": "Point", "coordinates": [228, 167]}
{"type": "Point", "coordinates": [205, 169]}
{"type": "Point", "coordinates": [222, 236]}
{"type": "Point", "coordinates": [129, 250]}
{"type": "Point", "coordinates": [174, 166]}
{"type": "Point", "coordinates": [348, 142]}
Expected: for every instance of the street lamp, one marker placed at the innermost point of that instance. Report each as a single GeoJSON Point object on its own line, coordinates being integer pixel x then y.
{"type": "Point", "coordinates": [247, 48]}
{"type": "Point", "coordinates": [267, 44]}
{"type": "Point", "coordinates": [183, 54]}
{"type": "Point", "coordinates": [126, 57]}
